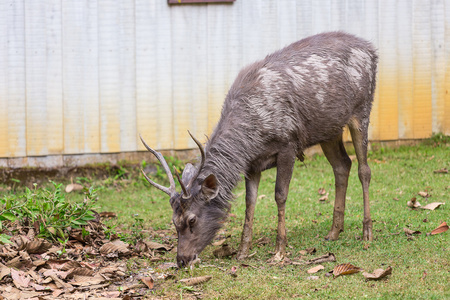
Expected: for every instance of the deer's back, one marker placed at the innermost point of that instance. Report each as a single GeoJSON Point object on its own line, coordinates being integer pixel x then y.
{"type": "Point", "coordinates": [308, 90]}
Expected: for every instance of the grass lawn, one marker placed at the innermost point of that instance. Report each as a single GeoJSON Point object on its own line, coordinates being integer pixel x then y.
{"type": "Point", "coordinates": [421, 264]}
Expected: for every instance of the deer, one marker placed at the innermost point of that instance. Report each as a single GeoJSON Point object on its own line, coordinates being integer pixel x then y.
{"type": "Point", "coordinates": [297, 97]}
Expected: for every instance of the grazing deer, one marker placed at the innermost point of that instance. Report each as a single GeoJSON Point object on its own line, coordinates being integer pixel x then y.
{"type": "Point", "coordinates": [299, 96]}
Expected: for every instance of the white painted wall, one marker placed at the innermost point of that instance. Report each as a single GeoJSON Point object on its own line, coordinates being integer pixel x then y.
{"type": "Point", "coordinates": [87, 76]}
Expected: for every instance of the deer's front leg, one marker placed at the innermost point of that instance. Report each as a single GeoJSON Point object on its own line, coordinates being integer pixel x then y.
{"type": "Point", "coordinates": [251, 193]}
{"type": "Point", "coordinates": [285, 167]}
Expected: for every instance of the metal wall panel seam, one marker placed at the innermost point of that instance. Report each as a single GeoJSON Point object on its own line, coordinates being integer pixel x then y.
{"type": "Point", "coordinates": [54, 77]}
{"type": "Point", "coordinates": [446, 124]}
{"type": "Point", "coordinates": [405, 69]}
{"type": "Point", "coordinates": [422, 69]}
{"type": "Point", "coordinates": [371, 17]}
{"type": "Point", "coordinates": [16, 80]}
{"type": "Point", "coordinates": [35, 79]}
{"type": "Point", "coordinates": [4, 140]}
{"type": "Point", "coordinates": [164, 76]}
{"type": "Point", "coordinates": [437, 22]}
{"type": "Point", "coordinates": [387, 83]}
{"type": "Point", "coordinates": [127, 79]}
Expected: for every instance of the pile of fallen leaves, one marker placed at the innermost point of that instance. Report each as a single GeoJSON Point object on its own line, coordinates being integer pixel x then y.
{"type": "Point", "coordinates": [87, 265]}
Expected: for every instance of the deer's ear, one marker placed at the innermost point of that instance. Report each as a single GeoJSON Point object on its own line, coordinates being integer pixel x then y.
{"type": "Point", "coordinates": [210, 187]}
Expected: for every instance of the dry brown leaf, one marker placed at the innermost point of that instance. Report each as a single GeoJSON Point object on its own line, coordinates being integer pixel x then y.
{"type": "Point", "coordinates": [59, 274]}
{"type": "Point", "coordinates": [31, 234]}
{"type": "Point", "coordinates": [262, 241]}
{"type": "Point", "coordinates": [432, 206]}
{"type": "Point", "coordinates": [440, 229]}
{"type": "Point", "coordinates": [148, 281]}
{"type": "Point", "coordinates": [329, 257]}
{"type": "Point", "coordinates": [261, 197]}
{"type": "Point", "coordinates": [87, 280]}
{"type": "Point", "coordinates": [424, 194]}
{"type": "Point", "coordinates": [345, 269]}
{"type": "Point", "coordinates": [195, 280]}
{"type": "Point", "coordinates": [73, 187]}
{"type": "Point", "coordinates": [410, 232]}
{"type": "Point", "coordinates": [312, 277]}
{"type": "Point", "coordinates": [114, 248]}
{"type": "Point", "coordinates": [442, 171]}
{"type": "Point", "coordinates": [157, 246]}
{"type": "Point", "coordinates": [315, 269]}
{"type": "Point", "coordinates": [20, 278]}
{"type": "Point", "coordinates": [62, 264]}
{"type": "Point", "coordinates": [81, 272]}
{"type": "Point", "coordinates": [219, 242]}
{"type": "Point", "coordinates": [19, 263]}
{"type": "Point", "coordinates": [324, 197]}
{"type": "Point", "coordinates": [224, 251]}
{"type": "Point", "coordinates": [38, 246]}
{"type": "Point", "coordinates": [378, 274]}
{"type": "Point", "coordinates": [413, 203]}
{"type": "Point", "coordinates": [108, 214]}
{"type": "Point", "coordinates": [321, 191]}
{"type": "Point", "coordinates": [141, 247]}
{"type": "Point", "coordinates": [5, 271]}
{"type": "Point", "coordinates": [38, 287]}
{"type": "Point", "coordinates": [112, 294]}
{"type": "Point", "coordinates": [311, 250]}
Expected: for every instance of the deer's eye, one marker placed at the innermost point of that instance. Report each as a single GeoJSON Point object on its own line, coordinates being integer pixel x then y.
{"type": "Point", "coordinates": [192, 221]}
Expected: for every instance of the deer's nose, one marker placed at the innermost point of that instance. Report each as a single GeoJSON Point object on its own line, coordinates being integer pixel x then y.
{"type": "Point", "coordinates": [183, 261]}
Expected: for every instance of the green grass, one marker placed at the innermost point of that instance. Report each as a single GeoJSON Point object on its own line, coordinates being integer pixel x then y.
{"type": "Point", "coordinates": [421, 266]}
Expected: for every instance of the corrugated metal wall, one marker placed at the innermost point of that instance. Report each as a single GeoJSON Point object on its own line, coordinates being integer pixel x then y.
{"type": "Point", "coordinates": [88, 76]}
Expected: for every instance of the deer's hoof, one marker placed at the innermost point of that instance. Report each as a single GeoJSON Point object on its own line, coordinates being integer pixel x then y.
{"type": "Point", "coordinates": [367, 231]}
{"type": "Point", "coordinates": [241, 255]}
{"type": "Point", "coordinates": [333, 235]}
{"type": "Point", "coordinates": [367, 234]}
{"type": "Point", "coordinates": [279, 256]}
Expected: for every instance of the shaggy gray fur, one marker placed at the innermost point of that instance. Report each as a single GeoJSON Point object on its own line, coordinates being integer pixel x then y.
{"type": "Point", "coordinates": [299, 96]}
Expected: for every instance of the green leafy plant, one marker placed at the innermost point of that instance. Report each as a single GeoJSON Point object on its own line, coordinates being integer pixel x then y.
{"type": "Point", "coordinates": [121, 173]}
{"type": "Point", "coordinates": [49, 209]}
{"type": "Point", "coordinates": [136, 233]}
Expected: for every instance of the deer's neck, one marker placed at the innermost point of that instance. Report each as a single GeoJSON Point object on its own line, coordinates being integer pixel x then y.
{"type": "Point", "coordinates": [225, 163]}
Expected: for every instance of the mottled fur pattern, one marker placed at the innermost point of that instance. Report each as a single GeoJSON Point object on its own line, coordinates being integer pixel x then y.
{"type": "Point", "coordinates": [299, 96]}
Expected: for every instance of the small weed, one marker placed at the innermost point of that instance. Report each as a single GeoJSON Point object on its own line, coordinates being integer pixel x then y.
{"type": "Point", "coordinates": [171, 162]}
{"type": "Point", "coordinates": [83, 180]}
{"type": "Point", "coordinates": [16, 182]}
{"type": "Point", "coordinates": [121, 173]}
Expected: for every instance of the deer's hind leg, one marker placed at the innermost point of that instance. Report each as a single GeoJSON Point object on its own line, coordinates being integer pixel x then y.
{"type": "Point", "coordinates": [337, 156]}
{"type": "Point", "coordinates": [359, 132]}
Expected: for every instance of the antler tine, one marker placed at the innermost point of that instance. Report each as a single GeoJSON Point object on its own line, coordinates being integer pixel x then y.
{"type": "Point", "coordinates": [202, 151]}
{"type": "Point", "coordinates": [170, 190]}
{"type": "Point", "coordinates": [185, 191]}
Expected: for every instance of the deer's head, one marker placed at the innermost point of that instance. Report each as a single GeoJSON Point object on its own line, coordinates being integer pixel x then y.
{"type": "Point", "coordinates": [195, 216]}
